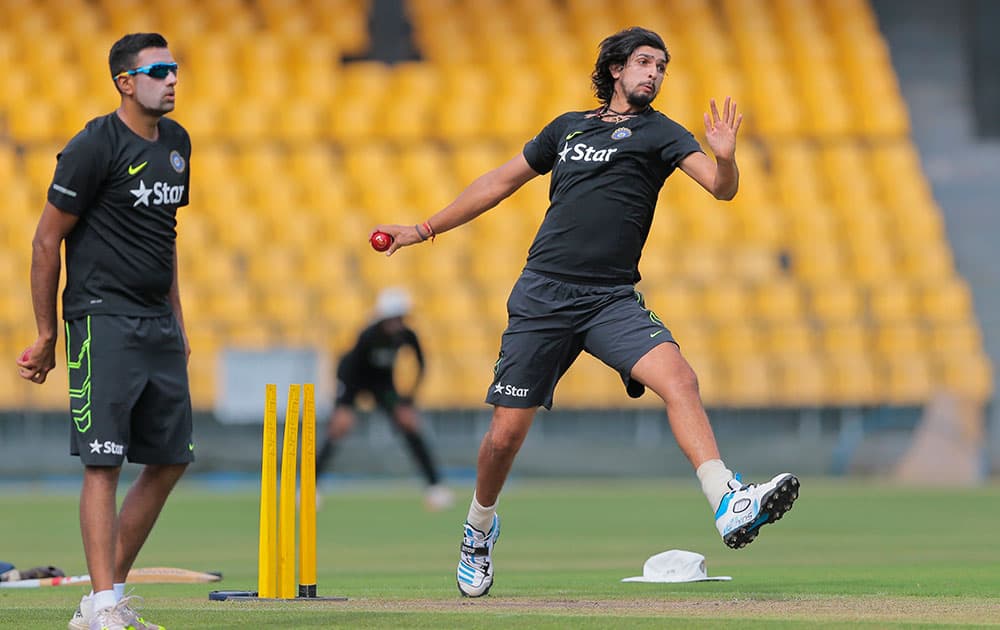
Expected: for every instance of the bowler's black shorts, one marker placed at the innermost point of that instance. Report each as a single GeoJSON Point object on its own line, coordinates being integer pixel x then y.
{"type": "Point", "coordinates": [128, 390]}
{"type": "Point", "coordinates": [551, 321]}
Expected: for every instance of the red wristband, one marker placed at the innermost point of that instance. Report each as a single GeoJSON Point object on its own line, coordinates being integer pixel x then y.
{"type": "Point", "coordinates": [430, 230]}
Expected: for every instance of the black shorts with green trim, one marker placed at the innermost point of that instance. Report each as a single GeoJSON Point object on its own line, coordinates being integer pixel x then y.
{"type": "Point", "coordinates": [128, 391]}
{"type": "Point", "coordinates": [551, 321]}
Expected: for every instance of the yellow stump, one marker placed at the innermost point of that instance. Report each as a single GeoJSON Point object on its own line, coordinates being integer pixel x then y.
{"type": "Point", "coordinates": [286, 500]}
{"type": "Point", "coordinates": [307, 502]}
{"type": "Point", "coordinates": [267, 576]}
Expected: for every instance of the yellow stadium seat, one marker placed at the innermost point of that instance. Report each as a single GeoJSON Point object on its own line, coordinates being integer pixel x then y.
{"type": "Point", "coordinates": [818, 262]}
{"type": "Point", "coordinates": [854, 380]}
{"type": "Point", "coordinates": [967, 374]}
{"type": "Point", "coordinates": [849, 338]}
{"type": "Point", "coordinates": [956, 338]}
{"type": "Point", "coordinates": [947, 302]}
{"type": "Point", "coordinates": [726, 301]}
{"type": "Point", "coordinates": [836, 302]}
{"type": "Point", "coordinates": [925, 260]}
{"type": "Point", "coordinates": [755, 264]}
{"type": "Point", "coordinates": [285, 306]}
{"type": "Point", "coordinates": [39, 163]}
{"type": "Point", "coordinates": [739, 339]}
{"type": "Point", "coordinates": [748, 381]}
{"type": "Point", "coordinates": [33, 123]}
{"type": "Point", "coordinates": [250, 122]}
{"type": "Point", "coordinates": [250, 334]}
{"type": "Point", "coordinates": [789, 339]}
{"type": "Point", "coordinates": [699, 263]}
{"type": "Point", "coordinates": [202, 378]}
{"type": "Point", "coordinates": [827, 112]}
{"type": "Point", "coordinates": [231, 304]}
{"type": "Point", "coordinates": [801, 380]}
{"type": "Point", "coordinates": [909, 379]}
{"type": "Point", "coordinates": [301, 121]}
{"type": "Point", "coordinates": [697, 340]}
{"type": "Point", "coordinates": [778, 301]}
{"type": "Point", "coordinates": [892, 303]}
{"type": "Point", "coordinates": [873, 266]}
{"type": "Point", "coordinates": [675, 302]}
{"type": "Point", "coordinates": [900, 339]}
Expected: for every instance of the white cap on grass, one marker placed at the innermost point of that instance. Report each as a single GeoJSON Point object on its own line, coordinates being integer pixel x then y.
{"type": "Point", "coordinates": [675, 565]}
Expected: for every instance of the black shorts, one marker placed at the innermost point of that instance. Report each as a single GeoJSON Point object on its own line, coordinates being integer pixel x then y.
{"type": "Point", "coordinates": [551, 321]}
{"type": "Point", "coordinates": [382, 391]}
{"type": "Point", "coordinates": [128, 391]}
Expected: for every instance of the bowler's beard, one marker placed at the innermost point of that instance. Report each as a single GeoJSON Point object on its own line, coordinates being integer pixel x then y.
{"type": "Point", "coordinates": [639, 100]}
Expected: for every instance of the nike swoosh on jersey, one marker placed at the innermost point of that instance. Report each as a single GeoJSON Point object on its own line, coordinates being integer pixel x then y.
{"type": "Point", "coordinates": [132, 170]}
{"type": "Point", "coordinates": [655, 333]}
{"type": "Point", "coordinates": [574, 134]}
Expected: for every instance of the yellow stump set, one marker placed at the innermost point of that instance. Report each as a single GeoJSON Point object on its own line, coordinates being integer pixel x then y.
{"type": "Point", "coordinates": [276, 553]}
{"type": "Point", "coordinates": [276, 547]}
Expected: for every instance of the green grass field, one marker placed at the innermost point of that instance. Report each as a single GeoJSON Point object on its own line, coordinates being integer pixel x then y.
{"type": "Point", "coordinates": [848, 555]}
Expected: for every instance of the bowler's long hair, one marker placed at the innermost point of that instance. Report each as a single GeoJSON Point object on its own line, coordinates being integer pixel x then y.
{"type": "Point", "coordinates": [615, 50]}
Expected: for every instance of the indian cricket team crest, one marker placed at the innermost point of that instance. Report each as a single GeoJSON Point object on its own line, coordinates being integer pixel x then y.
{"type": "Point", "coordinates": [621, 133]}
{"type": "Point", "coordinates": [177, 161]}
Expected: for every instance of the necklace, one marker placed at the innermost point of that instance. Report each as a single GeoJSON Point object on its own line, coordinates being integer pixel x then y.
{"type": "Point", "coordinates": [606, 113]}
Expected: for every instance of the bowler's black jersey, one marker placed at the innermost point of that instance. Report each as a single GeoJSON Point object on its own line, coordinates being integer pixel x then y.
{"type": "Point", "coordinates": [372, 358]}
{"type": "Point", "coordinates": [606, 178]}
{"type": "Point", "coordinates": [126, 191]}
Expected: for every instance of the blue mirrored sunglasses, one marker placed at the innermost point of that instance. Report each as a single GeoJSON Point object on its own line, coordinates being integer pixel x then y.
{"type": "Point", "coordinates": [155, 70]}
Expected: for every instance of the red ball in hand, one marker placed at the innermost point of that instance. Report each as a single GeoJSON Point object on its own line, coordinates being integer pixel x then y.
{"type": "Point", "coordinates": [380, 241]}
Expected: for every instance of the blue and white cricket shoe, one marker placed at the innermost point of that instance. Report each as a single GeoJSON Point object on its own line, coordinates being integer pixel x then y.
{"type": "Point", "coordinates": [748, 507]}
{"type": "Point", "coordinates": [475, 563]}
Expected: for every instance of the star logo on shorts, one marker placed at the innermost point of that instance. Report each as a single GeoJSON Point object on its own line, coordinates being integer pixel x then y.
{"type": "Point", "coordinates": [498, 388]}
{"type": "Point", "coordinates": [95, 447]}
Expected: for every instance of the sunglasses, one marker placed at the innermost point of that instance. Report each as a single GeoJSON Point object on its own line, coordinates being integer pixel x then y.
{"type": "Point", "coordinates": [155, 70]}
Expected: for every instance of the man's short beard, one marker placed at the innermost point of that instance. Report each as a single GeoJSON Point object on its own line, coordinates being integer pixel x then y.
{"type": "Point", "coordinates": [640, 99]}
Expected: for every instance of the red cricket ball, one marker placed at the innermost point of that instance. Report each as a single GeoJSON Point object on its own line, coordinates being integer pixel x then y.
{"type": "Point", "coordinates": [380, 241]}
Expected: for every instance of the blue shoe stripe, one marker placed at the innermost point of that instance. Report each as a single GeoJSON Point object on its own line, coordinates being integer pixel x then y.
{"type": "Point", "coordinates": [724, 505]}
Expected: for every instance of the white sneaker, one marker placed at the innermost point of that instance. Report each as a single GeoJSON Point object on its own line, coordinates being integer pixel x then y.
{"type": "Point", "coordinates": [84, 612]}
{"type": "Point", "coordinates": [107, 619]}
{"type": "Point", "coordinates": [130, 616]}
{"type": "Point", "coordinates": [438, 498]}
{"type": "Point", "coordinates": [475, 563]}
{"type": "Point", "coordinates": [748, 507]}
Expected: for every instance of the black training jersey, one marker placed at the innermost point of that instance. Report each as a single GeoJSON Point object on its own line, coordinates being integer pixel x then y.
{"type": "Point", "coordinates": [606, 178]}
{"type": "Point", "coordinates": [125, 191]}
{"type": "Point", "coordinates": [374, 354]}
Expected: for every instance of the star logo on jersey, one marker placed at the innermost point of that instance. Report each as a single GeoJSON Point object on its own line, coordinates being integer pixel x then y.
{"type": "Point", "coordinates": [141, 194]}
{"type": "Point", "coordinates": [132, 170]}
{"type": "Point", "coordinates": [498, 388]}
{"type": "Point", "coordinates": [562, 154]}
{"type": "Point", "coordinates": [95, 447]}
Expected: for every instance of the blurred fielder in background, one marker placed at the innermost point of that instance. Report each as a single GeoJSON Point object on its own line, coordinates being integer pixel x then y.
{"type": "Point", "coordinates": [577, 290]}
{"type": "Point", "coordinates": [372, 367]}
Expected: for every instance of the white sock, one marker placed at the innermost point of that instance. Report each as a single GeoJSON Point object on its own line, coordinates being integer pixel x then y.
{"type": "Point", "coordinates": [104, 599]}
{"type": "Point", "coordinates": [119, 588]}
{"type": "Point", "coordinates": [481, 517]}
{"type": "Point", "coordinates": [714, 477]}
